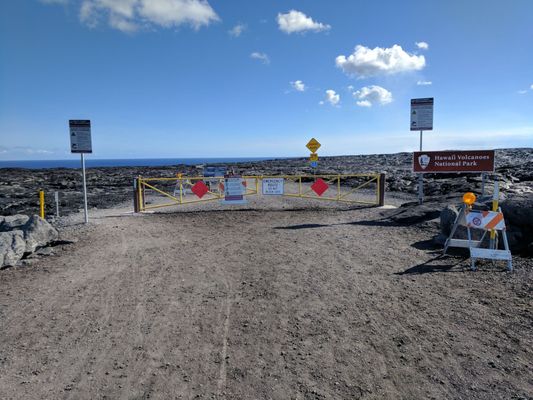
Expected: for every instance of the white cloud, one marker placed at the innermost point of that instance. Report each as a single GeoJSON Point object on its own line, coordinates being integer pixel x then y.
{"type": "Point", "coordinates": [122, 24]}
{"type": "Point", "coordinates": [237, 30]}
{"type": "Point", "coordinates": [298, 86]}
{"type": "Point", "coordinates": [524, 91]}
{"type": "Point", "coordinates": [297, 22]}
{"type": "Point", "coordinates": [169, 13]}
{"type": "Point", "coordinates": [424, 83]}
{"type": "Point", "coordinates": [332, 97]}
{"type": "Point", "coordinates": [422, 45]}
{"type": "Point", "coordinates": [129, 15]}
{"type": "Point", "coordinates": [365, 62]}
{"type": "Point", "coordinates": [369, 95]}
{"type": "Point", "coordinates": [261, 57]}
{"type": "Point", "coordinates": [23, 150]}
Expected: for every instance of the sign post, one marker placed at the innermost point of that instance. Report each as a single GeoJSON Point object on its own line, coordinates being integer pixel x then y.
{"type": "Point", "coordinates": [81, 143]}
{"type": "Point", "coordinates": [421, 178]}
{"type": "Point", "coordinates": [56, 197]}
{"type": "Point", "coordinates": [421, 120]}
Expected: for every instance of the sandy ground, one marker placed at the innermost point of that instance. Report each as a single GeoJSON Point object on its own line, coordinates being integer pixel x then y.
{"type": "Point", "coordinates": [298, 300]}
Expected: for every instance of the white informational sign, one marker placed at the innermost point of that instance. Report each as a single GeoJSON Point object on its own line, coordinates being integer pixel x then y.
{"type": "Point", "coordinates": [80, 136]}
{"type": "Point", "coordinates": [234, 190]}
{"type": "Point", "coordinates": [273, 186]}
{"type": "Point", "coordinates": [422, 114]}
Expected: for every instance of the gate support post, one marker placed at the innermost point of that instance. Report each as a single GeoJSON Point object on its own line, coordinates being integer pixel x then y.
{"type": "Point", "coordinates": [136, 205]}
{"type": "Point", "coordinates": [138, 195]}
{"type": "Point", "coordinates": [381, 190]}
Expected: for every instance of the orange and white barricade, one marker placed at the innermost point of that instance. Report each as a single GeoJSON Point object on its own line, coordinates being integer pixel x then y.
{"type": "Point", "coordinates": [488, 221]}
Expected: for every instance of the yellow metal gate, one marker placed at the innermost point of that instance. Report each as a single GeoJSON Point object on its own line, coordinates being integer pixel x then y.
{"type": "Point", "coordinates": [180, 190]}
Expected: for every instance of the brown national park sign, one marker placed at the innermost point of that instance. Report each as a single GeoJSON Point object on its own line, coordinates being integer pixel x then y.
{"type": "Point", "coordinates": [453, 161]}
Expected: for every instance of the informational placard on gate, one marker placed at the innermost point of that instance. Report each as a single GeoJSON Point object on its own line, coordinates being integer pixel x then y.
{"type": "Point", "coordinates": [234, 189]}
{"type": "Point", "coordinates": [273, 186]}
{"type": "Point", "coordinates": [453, 161]}
{"type": "Point", "coordinates": [422, 114]}
{"type": "Point", "coordinates": [80, 136]}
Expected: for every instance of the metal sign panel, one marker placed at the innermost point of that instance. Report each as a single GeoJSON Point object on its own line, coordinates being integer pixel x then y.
{"type": "Point", "coordinates": [80, 136]}
{"type": "Point", "coordinates": [313, 157]}
{"type": "Point", "coordinates": [422, 114]}
{"type": "Point", "coordinates": [273, 186]}
{"type": "Point", "coordinates": [453, 161]}
{"type": "Point", "coordinates": [313, 145]}
{"type": "Point", "coordinates": [314, 164]}
{"type": "Point", "coordinates": [234, 189]}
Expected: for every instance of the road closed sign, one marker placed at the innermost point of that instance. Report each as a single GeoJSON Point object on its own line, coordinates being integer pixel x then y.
{"type": "Point", "coordinates": [453, 161]}
{"type": "Point", "coordinates": [80, 136]}
{"type": "Point", "coordinates": [273, 186]}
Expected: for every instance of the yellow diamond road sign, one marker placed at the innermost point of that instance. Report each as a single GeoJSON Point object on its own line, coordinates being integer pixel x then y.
{"type": "Point", "coordinates": [313, 145]}
{"type": "Point", "coordinates": [313, 157]}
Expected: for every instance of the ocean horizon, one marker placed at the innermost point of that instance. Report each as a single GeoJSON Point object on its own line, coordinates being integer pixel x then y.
{"type": "Point", "coordinates": [125, 162]}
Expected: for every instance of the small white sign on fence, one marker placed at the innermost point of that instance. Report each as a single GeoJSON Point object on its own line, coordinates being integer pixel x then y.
{"type": "Point", "coordinates": [273, 186]}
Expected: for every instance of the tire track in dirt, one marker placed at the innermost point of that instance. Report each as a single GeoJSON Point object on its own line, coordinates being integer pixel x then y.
{"type": "Point", "coordinates": [221, 384]}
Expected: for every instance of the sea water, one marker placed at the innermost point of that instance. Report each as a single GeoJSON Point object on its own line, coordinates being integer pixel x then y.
{"type": "Point", "coordinates": [133, 162]}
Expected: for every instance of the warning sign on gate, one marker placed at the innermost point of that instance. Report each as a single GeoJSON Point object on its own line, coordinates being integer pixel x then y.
{"type": "Point", "coordinates": [319, 187]}
{"type": "Point", "coordinates": [200, 189]}
{"type": "Point", "coordinates": [273, 186]}
{"type": "Point", "coordinates": [234, 189]}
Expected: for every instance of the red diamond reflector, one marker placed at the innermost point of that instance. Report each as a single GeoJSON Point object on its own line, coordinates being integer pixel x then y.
{"type": "Point", "coordinates": [200, 189]}
{"type": "Point", "coordinates": [319, 187]}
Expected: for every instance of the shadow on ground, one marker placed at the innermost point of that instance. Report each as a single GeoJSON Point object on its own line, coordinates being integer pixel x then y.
{"type": "Point", "coordinates": [362, 223]}
{"type": "Point", "coordinates": [436, 264]}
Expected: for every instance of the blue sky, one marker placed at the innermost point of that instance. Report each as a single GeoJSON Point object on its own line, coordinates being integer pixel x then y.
{"type": "Point", "coordinates": [191, 78]}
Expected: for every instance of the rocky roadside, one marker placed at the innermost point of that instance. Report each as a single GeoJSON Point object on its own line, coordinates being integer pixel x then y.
{"type": "Point", "coordinates": [23, 236]}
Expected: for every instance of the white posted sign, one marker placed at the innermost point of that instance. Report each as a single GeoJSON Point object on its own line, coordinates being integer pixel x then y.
{"type": "Point", "coordinates": [422, 114]}
{"type": "Point", "coordinates": [234, 189]}
{"type": "Point", "coordinates": [273, 186]}
{"type": "Point", "coordinates": [80, 136]}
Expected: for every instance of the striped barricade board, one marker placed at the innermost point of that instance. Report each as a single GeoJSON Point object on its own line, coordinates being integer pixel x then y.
{"type": "Point", "coordinates": [487, 220]}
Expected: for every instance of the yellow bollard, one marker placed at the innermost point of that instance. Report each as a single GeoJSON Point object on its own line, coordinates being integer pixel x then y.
{"type": "Point", "coordinates": [41, 203]}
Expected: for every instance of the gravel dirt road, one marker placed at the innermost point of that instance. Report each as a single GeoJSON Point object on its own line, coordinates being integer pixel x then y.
{"type": "Point", "coordinates": [297, 302]}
